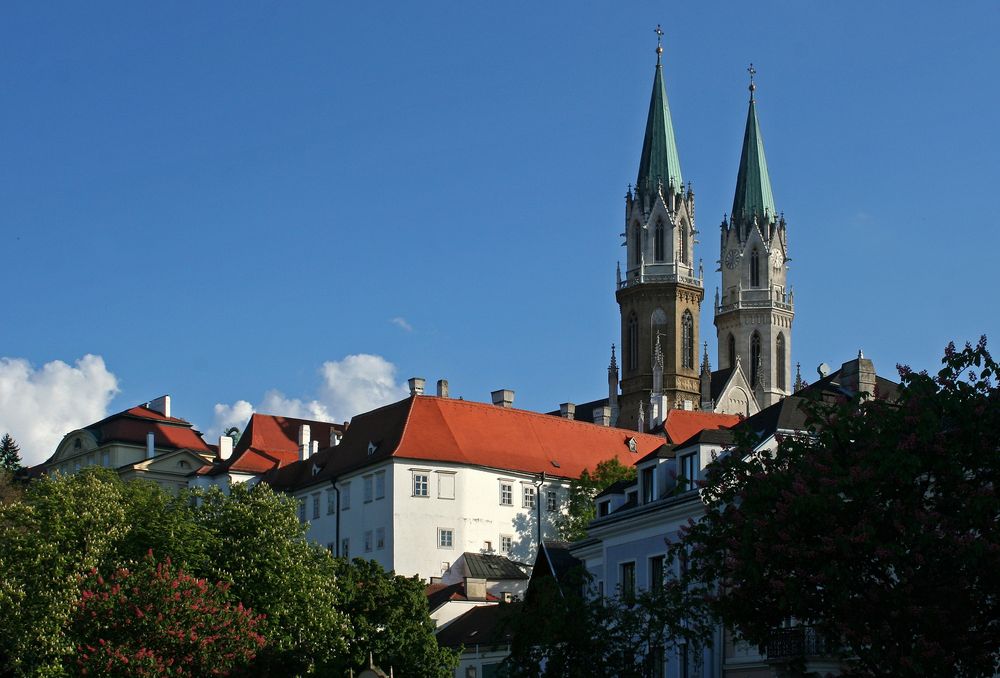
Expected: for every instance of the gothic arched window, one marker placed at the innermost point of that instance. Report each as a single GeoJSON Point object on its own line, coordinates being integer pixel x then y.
{"type": "Point", "coordinates": [754, 268]}
{"type": "Point", "coordinates": [687, 341]}
{"type": "Point", "coordinates": [636, 247]}
{"type": "Point", "coordinates": [684, 243]}
{"type": "Point", "coordinates": [658, 241]}
{"type": "Point", "coordinates": [779, 357]}
{"type": "Point", "coordinates": [754, 359]}
{"type": "Point", "coordinates": [732, 351]}
{"type": "Point", "coordinates": [632, 341]}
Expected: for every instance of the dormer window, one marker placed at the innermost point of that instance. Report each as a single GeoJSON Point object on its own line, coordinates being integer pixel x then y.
{"type": "Point", "coordinates": [604, 508]}
{"type": "Point", "coordinates": [688, 472]}
{"type": "Point", "coordinates": [647, 485]}
{"type": "Point", "coordinates": [77, 444]}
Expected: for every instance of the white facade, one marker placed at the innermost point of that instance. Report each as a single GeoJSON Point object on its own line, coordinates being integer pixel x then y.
{"type": "Point", "coordinates": [418, 517]}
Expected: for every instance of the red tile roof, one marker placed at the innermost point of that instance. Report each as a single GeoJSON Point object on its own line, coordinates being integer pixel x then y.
{"type": "Point", "coordinates": [132, 425]}
{"type": "Point", "coordinates": [682, 424]}
{"type": "Point", "coordinates": [438, 594]}
{"type": "Point", "coordinates": [269, 442]}
{"type": "Point", "coordinates": [436, 429]}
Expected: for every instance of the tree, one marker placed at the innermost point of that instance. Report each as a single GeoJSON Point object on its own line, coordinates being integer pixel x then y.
{"type": "Point", "coordinates": [390, 621]}
{"type": "Point", "coordinates": [879, 527]}
{"type": "Point", "coordinates": [582, 491]}
{"type": "Point", "coordinates": [159, 621]}
{"type": "Point", "coordinates": [259, 547]}
{"type": "Point", "coordinates": [10, 458]}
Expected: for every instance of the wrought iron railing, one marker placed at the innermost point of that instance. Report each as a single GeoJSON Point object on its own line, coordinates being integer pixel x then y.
{"type": "Point", "coordinates": [799, 641]}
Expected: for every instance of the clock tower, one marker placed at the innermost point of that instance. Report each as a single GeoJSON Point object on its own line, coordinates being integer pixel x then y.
{"type": "Point", "coordinates": [660, 292]}
{"type": "Point", "coordinates": [754, 312]}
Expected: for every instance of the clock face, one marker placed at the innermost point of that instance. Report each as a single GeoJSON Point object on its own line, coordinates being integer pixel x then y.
{"type": "Point", "coordinates": [731, 258]}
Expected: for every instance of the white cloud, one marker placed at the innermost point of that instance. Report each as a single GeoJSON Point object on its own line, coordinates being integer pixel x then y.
{"type": "Point", "coordinates": [356, 384]}
{"type": "Point", "coordinates": [39, 406]}
{"type": "Point", "coordinates": [401, 323]}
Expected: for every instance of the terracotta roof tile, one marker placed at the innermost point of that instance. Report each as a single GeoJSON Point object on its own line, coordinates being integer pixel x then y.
{"type": "Point", "coordinates": [682, 424]}
{"type": "Point", "coordinates": [270, 442]}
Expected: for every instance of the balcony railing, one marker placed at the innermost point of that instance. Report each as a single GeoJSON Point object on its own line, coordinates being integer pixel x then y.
{"type": "Point", "coordinates": [662, 278]}
{"type": "Point", "coordinates": [799, 641]}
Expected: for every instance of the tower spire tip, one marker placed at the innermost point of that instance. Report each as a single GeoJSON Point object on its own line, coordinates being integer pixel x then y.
{"type": "Point", "coordinates": [659, 43]}
{"type": "Point", "coordinates": [752, 71]}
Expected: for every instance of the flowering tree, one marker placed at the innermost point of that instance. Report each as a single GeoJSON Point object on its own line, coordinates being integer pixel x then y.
{"type": "Point", "coordinates": [879, 527]}
{"type": "Point", "coordinates": [159, 621]}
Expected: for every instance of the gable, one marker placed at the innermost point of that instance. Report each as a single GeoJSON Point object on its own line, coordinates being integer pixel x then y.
{"type": "Point", "coordinates": [736, 396]}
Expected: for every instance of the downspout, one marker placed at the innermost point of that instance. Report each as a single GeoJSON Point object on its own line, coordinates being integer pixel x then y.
{"type": "Point", "coordinates": [336, 518]}
{"type": "Point", "coordinates": [538, 507]}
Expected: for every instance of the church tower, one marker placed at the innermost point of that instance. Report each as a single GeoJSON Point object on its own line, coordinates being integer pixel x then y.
{"type": "Point", "coordinates": [659, 294]}
{"type": "Point", "coordinates": [753, 315]}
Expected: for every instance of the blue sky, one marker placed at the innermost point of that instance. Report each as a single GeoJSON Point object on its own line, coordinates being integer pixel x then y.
{"type": "Point", "coordinates": [220, 198]}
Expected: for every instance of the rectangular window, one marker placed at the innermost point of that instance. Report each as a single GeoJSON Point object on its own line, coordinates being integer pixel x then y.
{"type": "Point", "coordinates": [302, 509]}
{"type": "Point", "coordinates": [316, 506]}
{"type": "Point", "coordinates": [506, 543]}
{"type": "Point", "coordinates": [345, 496]}
{"type": "Point", "coordinates": [446, 485]}
{"type": "Point", "coordinates": [380, 485]}
{"type": "Point", "coordinates": [604, 508]}
{"type": "Point", "coordinates": [627, 582]}
{"type": "Point", "coordinates": [551, 501]}
{"type": "Point", "coordinates": [647, 485]}
{"type": "Point", "coordinates": [380, 538]}
{"type": "Point", "coordinates": [106, 458]}
{"type": "Point", "coordinates": [689, 471]}
{"type": "Point", "coordinates": [656, 574]}
{"type": "Point", "coordinates": [368, 484]}
{"type": "Point", "coordinates": [420, 485]}
{"type": "Point", "coordinates": [345, 548]}
{"type": "Point", "coordinates": [506, 494]}
{"type": "Point", "coordinates": [446, 538]}
{"type": "Point", "coordinates": [331, 502]}
{"type": "Point", "coordinates": [528, 496]}
{"type": "Point", "coordinates": [368, 541]}
{"type": "Point", "coordinates": [488, 547]}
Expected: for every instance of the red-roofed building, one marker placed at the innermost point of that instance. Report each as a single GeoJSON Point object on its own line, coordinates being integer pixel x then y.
{"type": "Point", "coordinates": [417, 483]}
{"type": "Point", "coordinates": [267, 443]}
{"type": "Point", "coordinates": [141, 442]}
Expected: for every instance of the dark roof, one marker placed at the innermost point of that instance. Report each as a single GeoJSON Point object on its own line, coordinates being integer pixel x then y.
{"type": "Point", "coordinates": [716, 436]}
{"type": "Point", "coordinates": [664, 451]}
{"type": "Point", "coordinates": [438, 594]}
{"type": "Point", "coordinates": [482, 625]}
{"type": "Point", "coordinates": [559, 559]}
{"type": "Point", "coordinates": [490, 566]}
{"type": "Point", "coordinates": [269, 442]}
{"type": "Point", "coordinates": [719, 379]}
{"type": "Point", "coordinates": [616, 488]}
{"type": "Point", "coordinates": [584, 411]}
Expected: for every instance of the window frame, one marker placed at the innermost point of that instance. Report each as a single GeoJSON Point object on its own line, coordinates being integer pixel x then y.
{"type": "Point", "coordinates": [528, 490]}
{"type": "Point", "coordinates": [315, 505]}
{"type": "Point", "coordinates": [345, 496]}
{"type": "Point", "coordinates": [369, 541]}
{"type": "Point", "coordinates": [368, 487]}
{"type": "Point", "coordinates": [450, 532]}
{"type": "Point", "coordinates": [647, 484]}
{"type": "Point", "coordinates": [441, 475]}
{"type": "Point", "coordinates": [551, 501]}
{"type": "Point", "coordinates": [379, 485]}
{"type": "Point", "coordinates": [424, 485]}
{"type": "Point", "coordinates": [379, 538]}
{"type": "Point", "coordinates": [506, 544]}
{"type": "Point", "coordinates": [657, 562]}
{"type": "Point", "coordinates": [688, 462]}
{"type": "Point", "coordinates": [506, 488]}
{"type": "Point", "coordinates": [626, 581]}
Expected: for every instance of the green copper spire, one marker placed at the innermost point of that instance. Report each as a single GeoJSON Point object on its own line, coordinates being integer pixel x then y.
{"type": "Point", "coordinates": [753, 185]}
{"type": "Point", "coordinates": [659, 160]}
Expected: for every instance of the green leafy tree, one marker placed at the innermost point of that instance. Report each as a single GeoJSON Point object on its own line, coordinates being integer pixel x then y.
{"type": "Point", "coordinates": [159, 621]}
{"type": "Point", "coordinates": [580, 507]}
{"type": "Point", "coordinates": [879, 527]}
{"type": "Point", "coordinates": [258, 545]}
{"type": "Point", "coordinates": [10, 457]}
{"type": "Point", "coordinates": [390, 622]}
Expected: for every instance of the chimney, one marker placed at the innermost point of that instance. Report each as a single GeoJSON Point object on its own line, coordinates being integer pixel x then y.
{"type": "Point", "coordinates": [150, 447]}
{"type": "Point", "coordinates": [416, 385]}
{"type": "Point", "coordinates": [442, 388]}
{"type": "Point", "coordinates": [858, 376]}
{"type": "Point", "coordinates": [567, 411]}
{"type": "Point", "coordinates": [304, 439]}
{"type": "Point", "coordinates": [503, 398]}
{"type": "Point", "coordinates": [475, 588]}
{"type": "Point", "coordinates": [602, 416]}
{"type": "Point", "coordinates": [335, 436]}
{"type": "Point", "coordinates": [225, 447]}
{"type": "Point", "coordinates": [161, 405]}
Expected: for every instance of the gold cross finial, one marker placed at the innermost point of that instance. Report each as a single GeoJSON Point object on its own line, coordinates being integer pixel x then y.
{"type": "Point", "coordinates": [659, 42]}
{"type": "Point", "coordinates": [752, 71]}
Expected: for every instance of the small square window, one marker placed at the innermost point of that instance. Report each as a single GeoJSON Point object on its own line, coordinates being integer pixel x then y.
{"type": "Point", "coordinates": [506, 494]}
{"type": "Point", "coordinates": [420, 485]}
{"type": "Point", "coordinates": [368, 541]}
{"type": "Point", "coordinates": [488, 546]}
{"type": "Point", "coordinates": [380, 538]}
{"type": "Point", "coordinates": [446, 538]}
{"type": "Point", "coordinates": [528, 496]}
{"type": "Point", "coordinates": [506, 543]}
